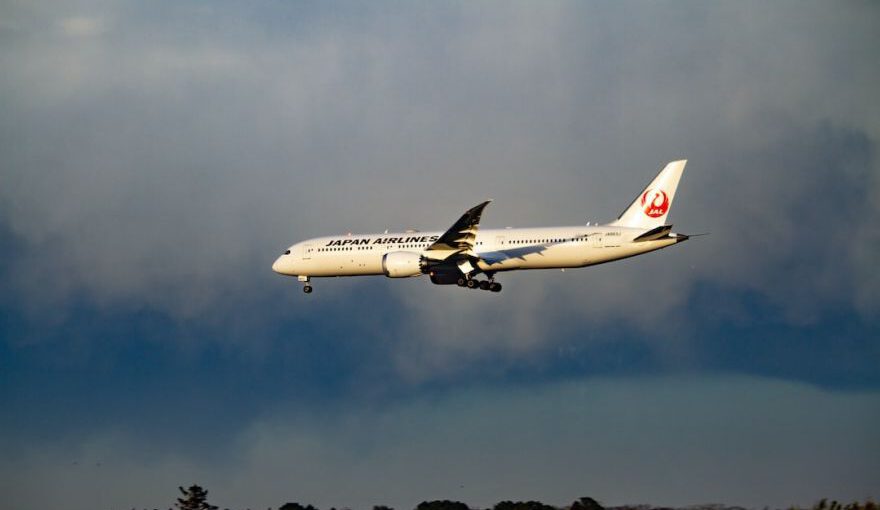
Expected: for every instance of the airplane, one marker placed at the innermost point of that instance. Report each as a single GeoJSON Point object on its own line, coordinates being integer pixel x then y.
{"type": "Point", "coordinates": [464, 251]}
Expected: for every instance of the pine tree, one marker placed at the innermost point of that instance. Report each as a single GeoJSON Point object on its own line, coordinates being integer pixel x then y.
{"type": "Point", "coordinates": [194, 498]}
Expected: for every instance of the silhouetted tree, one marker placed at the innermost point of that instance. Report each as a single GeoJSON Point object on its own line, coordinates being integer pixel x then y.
{"type": "Point", "coordinates": [295, 506]}
{"type": "Point", "coordinates": [522, 505]}
{"type": "Point", "coordinates": [194, 498]}
{"type": "Point", "coordinates": [586, 503]}
{"type": "Point", "coordinates": [442, 505]}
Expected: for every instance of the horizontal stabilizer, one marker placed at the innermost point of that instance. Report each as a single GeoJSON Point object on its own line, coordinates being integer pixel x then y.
{"type": "Point", "coordinates": [654, 233]}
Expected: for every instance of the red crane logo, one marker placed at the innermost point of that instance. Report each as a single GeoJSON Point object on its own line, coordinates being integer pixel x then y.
{"type": "Point", "coordinates": [655, 203]}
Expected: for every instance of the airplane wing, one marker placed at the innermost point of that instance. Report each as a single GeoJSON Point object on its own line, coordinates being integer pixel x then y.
{"type": "Point", "coordinates": [460, 238]}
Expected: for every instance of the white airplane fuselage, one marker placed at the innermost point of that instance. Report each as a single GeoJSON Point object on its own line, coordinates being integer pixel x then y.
{"type": "Point", "coordinates": [458, 254]}
{"type": "Point", "coordinates": [499, 250]}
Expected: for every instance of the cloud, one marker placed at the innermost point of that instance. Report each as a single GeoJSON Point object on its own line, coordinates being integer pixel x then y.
{"type": "Point", "coordinates": [81, 26]}
{"type": "Point", "coordinates": [163, 163]}
{"type": "Point", "coordinates": [666, 441]}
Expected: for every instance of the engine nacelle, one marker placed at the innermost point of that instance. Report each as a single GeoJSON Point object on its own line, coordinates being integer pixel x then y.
{"type": "Point", "coordinates": [402, 264]}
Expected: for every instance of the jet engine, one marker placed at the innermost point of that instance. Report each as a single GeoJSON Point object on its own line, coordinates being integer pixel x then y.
{"type": "Point", "coordinates": [401, 264]}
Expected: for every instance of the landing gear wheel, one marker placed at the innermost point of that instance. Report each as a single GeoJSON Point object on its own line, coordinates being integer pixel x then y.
{"type": "Point", "coordinates": [495, 287]}
{"type": "Point", "coordinates": [485, 285]}
{"type": "Point", "coordinates": [461, 282]}
{"type": "Point", "coordinates": [307, 289]}
{"type": "Point", "coordinates": [472, 284]}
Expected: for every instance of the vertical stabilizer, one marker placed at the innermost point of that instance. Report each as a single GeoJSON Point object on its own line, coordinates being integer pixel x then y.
{"type": "Point", "coordinates": [650, 208]}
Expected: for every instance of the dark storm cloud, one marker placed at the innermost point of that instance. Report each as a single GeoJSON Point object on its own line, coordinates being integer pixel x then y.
{"type": "Point", "coordinates": [147, 155]}
{"type": "Point", "coordinates": [161, 160]}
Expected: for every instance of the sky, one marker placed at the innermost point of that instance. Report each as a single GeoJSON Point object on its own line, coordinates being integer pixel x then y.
{"type": "Point", "coordinates": [155, 158]}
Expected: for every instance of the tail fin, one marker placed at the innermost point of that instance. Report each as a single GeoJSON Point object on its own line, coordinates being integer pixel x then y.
{"type": "Point", "coordinates": [650, 208]}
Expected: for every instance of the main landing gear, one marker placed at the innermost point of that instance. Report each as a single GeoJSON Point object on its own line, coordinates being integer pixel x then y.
{"type": "Point", "coordinates": [490, 285]}
{"type": "Point", "coordinates": [306, 288]}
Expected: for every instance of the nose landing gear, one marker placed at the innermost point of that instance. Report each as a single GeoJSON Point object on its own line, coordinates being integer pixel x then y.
{"type": "Point", "coordinates": [306, 288]}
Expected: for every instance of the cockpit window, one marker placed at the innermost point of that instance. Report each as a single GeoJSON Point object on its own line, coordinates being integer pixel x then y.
{"type": "Point", "coordinates": [287, 252]}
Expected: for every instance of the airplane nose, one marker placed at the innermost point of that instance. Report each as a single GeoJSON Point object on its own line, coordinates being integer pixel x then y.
{"type": "Point", "coordinates": [276, 266]}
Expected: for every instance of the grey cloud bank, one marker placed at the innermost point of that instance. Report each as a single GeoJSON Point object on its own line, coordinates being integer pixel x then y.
{"type": "Point", "coordinates": [674, 441]}
{"type": "Point", "coordinates": [190, 155]}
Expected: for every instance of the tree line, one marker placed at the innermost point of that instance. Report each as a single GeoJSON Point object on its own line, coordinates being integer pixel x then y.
{"type": "Point", "coordinates": [196, 498]}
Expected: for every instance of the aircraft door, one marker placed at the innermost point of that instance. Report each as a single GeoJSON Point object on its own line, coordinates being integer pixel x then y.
{"type": "Point", "coordinates": [307, 251]}
{"type": "Point", "coordinates": [499, 242]}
